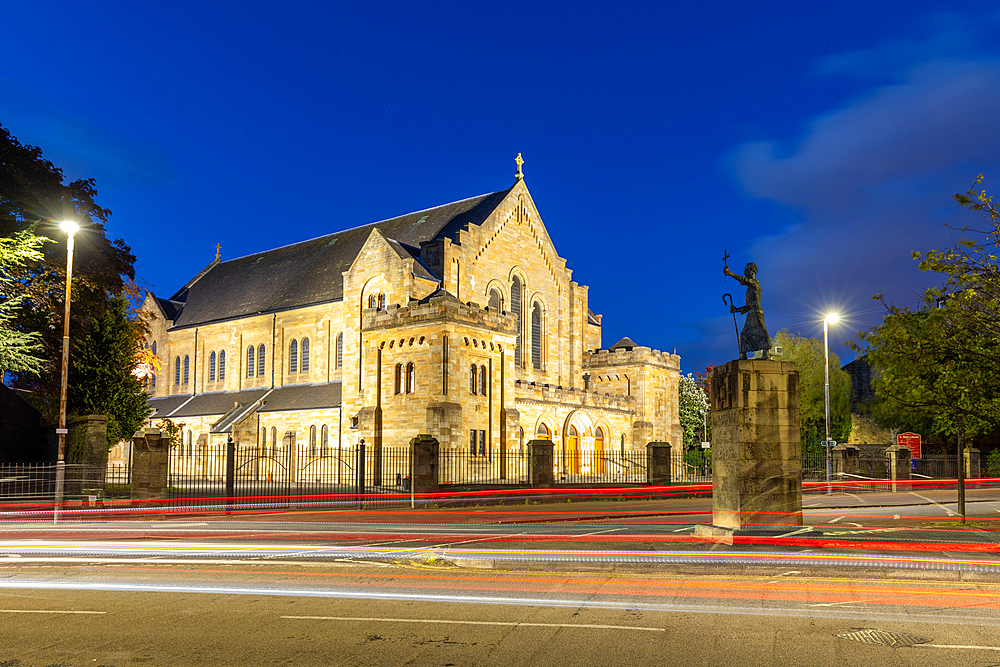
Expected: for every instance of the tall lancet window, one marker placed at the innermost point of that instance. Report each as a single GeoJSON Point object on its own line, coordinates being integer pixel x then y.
{"type": "Point", "coordinates": [515, 308]}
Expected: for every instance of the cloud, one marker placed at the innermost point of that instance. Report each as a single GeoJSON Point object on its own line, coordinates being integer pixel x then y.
{"type": "Point", "coordinates": [872, 182]}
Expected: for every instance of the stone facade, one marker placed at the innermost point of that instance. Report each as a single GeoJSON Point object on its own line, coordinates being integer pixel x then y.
{"type": "Point", "coordinates": [461, 322]}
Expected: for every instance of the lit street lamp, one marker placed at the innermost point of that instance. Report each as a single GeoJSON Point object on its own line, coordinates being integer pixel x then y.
{"type": "Point", "coordinates": [831, 318]}
{"type": "Point", "coordinates": [70, 228]}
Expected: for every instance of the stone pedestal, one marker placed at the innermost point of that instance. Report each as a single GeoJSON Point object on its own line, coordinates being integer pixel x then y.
{"type": "Point", "coordinates": [658, 463]}
{"type": "Point", "coordinates": [424, 464]}
{"type": "Point", "coordinates": [756, 455]}
{"type": "Point", "coordinates": [845, 460]}
{"type": "Point", "coordinates": [972, 470]}
{"type": "Point", "coordinates": [540, 464]}
{"type": "Point", "coordinates": [150, 461]}
{"type": "Point", "coordinates": [897, 465]}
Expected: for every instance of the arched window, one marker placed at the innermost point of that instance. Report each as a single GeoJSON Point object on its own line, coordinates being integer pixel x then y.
{"type": "Point", "coordinates": [411, 378]}
{"type": "Point", "coordinates": [190, 443]}
{"type": "Point", "coordinates": [397, 382]}
{"type": "Point", "coordinates": [152, 381]}
{"type": "Point", "coordinates": [381, 301]}
{"type": "Point", "coordinates": [293, 357]}
{"type": "Point", "coordinates": [482, 380]}
{"type": "Point", "coordinates": [263, 440]}
{"type": "Point", "coordinates": [304, 365]}
{"type": "Point", "coordinates": [211, 367]}
{"type": "Point", "coordinates": [536, 336]}
{"type": "Point", "coordinates": [250, 361]}
{"type": "Point", "coordinates": [515, 308]}
{"type": "Point", "coordinates": [495, 302]}
{"type": "Point", "coordinates": [187, 368]}
{"type": "Point", "coordinates": [543, 432]}
{"type": "Point", "coordinates": [154, 348]}
{"type": "Point", "coordinates": [177, 371]}
{"type": "Point", "coordinates": [473, 372]}
{"type": "Point", "coordinates": [372, 300]}
{"type": "Point", "coordinates": [312, 441]}
{"type": "Point", "coordinates": [340, 350]}
{"type": "Point", "coordinates": [222, 365]}
{"type": "Point", "coordinates": [324, 446]}
{"type": "Point", "coordinates": [274, 441]}
{"type": "Point", "coordinates": [260, 360]}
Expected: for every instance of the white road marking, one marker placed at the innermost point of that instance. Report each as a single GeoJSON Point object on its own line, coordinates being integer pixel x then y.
{"type": "Point", "coordinates": [796, 532]}
{"type": "Point", "coordinates": [790, 572]}
{"type": "Point", "coordinates": [959, 646]}
{"type": "Point", "coordinates": [600, 532]}
{"type": "Point", "coordinates": [835, 520]}
{"type": "Point", "coordinates": [895, 517]}
{"type": "Point", "coordinates": [832, 604]}
{"type": "Point", "coordinates": [681, 530]}
{"type": "Point", "coordinates": [513, 624]}
{"type": "Point", "coordinates": [934, 502]}
{"type": "Point", "coordinates": [46, 611]}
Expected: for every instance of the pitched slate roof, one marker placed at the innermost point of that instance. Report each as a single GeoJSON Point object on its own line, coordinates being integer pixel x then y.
{"type": "Point", "coordinates": [303, 397]}
{"type": "Point", "coordinates": [311, 272]}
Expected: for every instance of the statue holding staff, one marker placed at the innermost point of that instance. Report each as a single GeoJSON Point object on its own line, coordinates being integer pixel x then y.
{"type": "Point", "coordinates": [754, 336]}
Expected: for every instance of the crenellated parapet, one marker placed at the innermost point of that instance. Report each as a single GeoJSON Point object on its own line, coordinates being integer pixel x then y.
{"type": "Point", "coordinates": [555, 394]}
{"type": "Point", "coordinates": [438, 307]}
{"type": "Point", "coordinates": [636, 356]}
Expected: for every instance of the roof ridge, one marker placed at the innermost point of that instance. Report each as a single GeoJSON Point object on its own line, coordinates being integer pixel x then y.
{"type": "Point", "coordinates": [351, 229]}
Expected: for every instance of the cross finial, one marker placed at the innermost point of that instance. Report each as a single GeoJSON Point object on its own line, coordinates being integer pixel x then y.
{"type": "Point", "coordinates": [218, 251]}
{"type": "Point", "coordinates": [519, 175]}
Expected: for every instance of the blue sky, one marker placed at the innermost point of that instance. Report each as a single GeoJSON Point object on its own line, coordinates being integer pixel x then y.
{"type": "Point", "coordinates": [822, 141]}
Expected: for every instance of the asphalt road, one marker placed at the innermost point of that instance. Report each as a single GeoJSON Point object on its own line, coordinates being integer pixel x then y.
{"type": "Point", "coordinates": [140, 612]}
{"type": "Point", "coordinates": [874, 579]}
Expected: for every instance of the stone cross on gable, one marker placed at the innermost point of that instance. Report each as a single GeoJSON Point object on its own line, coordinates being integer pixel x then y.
{"type": "Point", "coordinates": [218, 251]}
{"type": "Point", "coordinates": [519, 175]}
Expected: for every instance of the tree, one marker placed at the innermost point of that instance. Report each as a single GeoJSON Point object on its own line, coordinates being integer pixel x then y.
{"type": "Point", "coordinates": [692, 404]}
{"type": "Point", "coordinates": [18, 349]}
{"type": "Point", "coordinates": [104, 378]}
{"type": "Point", "coordinates": [808, 356]}
{"type": "Point", "coordinates": [936, 363]}
{"type": "Point", "coordinates": [33, 196]}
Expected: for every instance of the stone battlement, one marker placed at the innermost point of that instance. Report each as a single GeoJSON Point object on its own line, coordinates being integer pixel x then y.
{"type": "Point", "coordinates": [435, 309]}
{"type": "Point", "coordinates": [637, 356]}
{"type": "Point", "coordinates": [549, 393]}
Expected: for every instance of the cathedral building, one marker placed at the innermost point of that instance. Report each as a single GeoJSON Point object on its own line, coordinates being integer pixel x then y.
{"type": "Point", "coordinates": [460, 321]}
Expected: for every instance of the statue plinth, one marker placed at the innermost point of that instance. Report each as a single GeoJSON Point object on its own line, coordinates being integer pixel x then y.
{"type": "Point", "coordinates": [756, 455]}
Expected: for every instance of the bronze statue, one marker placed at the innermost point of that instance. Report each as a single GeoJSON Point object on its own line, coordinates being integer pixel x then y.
{"type": "Point", "coordinates": [754, 336]}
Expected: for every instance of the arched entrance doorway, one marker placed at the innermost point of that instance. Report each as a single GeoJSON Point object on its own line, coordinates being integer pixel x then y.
{"type": "Point", "coordinates": [573, 451]}
{"type": "Point", "coordinates": [599, 450]}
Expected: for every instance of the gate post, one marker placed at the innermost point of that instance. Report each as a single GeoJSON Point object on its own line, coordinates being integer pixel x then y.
{"type": "Point", "coordinates": [540, 463]}
{"type": "Point", "coordinates": [360, 471]}
{"type": "Point", "coordinates": [898, 464]}
{"type": "Point", "coordinates": [658, 463]}
{"type": "Point", "coordinates": [230, 472]}
{"type": "Point", "coordinates": [424, 464]}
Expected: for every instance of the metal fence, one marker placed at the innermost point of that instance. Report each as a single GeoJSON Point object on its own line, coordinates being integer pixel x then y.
{"type": "Point", "coordinates": [597, 467]}
{"type": "Point", "coordinates": [279, 471]}
{"type": "Point", "coordinates": [36, 482]}
{"type": "Point", "coordinates": [461, 466]}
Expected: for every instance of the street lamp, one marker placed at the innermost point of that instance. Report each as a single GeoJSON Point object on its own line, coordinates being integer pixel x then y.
{"type": "Point", "coordinates": [70, 228]}
{"type": "Point", "coordinates": [831, 318]}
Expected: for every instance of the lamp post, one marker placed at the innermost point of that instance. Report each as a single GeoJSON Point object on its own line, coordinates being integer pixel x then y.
{"type": "Point", "coordinates": [831, 318]}
{"type": "Point", "coordinates": [70, 228]}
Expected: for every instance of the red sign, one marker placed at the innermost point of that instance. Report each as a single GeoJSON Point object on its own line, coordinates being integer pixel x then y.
{"type": "Point", "coordinates": [911, 441]}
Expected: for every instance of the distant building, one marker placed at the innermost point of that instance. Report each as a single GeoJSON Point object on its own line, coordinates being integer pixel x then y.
{"type": "Point", "coordinates": [862, 393]}
{"type": "Point", "coordinates": [23, 431]}
{"type": "Point", "coordinates": [461, 321]}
